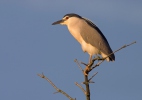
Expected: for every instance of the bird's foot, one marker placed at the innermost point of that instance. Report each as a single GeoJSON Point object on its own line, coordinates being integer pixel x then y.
{"type": "Point", "coordinates": [87, 70]}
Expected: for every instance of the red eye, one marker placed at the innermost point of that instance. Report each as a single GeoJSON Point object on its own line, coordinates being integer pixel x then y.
{"type": "Point", "coordinates": [67, 18]}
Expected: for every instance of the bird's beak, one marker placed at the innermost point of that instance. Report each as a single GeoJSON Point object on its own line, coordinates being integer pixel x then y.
{"type": "Point", "coordinates": [58, 22]}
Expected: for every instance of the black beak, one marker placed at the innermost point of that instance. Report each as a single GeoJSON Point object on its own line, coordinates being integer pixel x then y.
{"type": "Point", "coordinates": [58, 22]}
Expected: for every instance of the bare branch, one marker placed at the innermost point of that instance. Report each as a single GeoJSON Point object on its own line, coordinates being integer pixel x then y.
{"type": "Point", "coordinates": [84, 63]}
{"type": "Point", "coordinates": [57, 89]}
{"type": "Point", "coordinates": [89, 68]}
{"type": "Point", "coordinates": [93, 76]}
{"type": "Point", "coordinates": [79, 65]}
{"type": "Point", "coordinates": [80, 87]}
{"type": "Point", "coordinates": [121, 48]}
{"type": "Point", "coordinates": [91, 82]}
{"type": "Point", "coordinates": [111, 54]}
{"type": "Point", "coordinates": [85, 72]}
{"type": "Point", "coordinates": [87, 87]}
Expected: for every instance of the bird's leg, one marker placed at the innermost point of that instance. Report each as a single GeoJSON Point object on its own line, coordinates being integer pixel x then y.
{"type": "Point", "coordinates": [87, 68]}
{"type": "Point", "coordinates": [90, 59]}
{"type": "Point", "coordinates": [98, 58]}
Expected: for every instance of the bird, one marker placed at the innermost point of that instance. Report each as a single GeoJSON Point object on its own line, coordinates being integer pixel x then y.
{"type": "Point", "coordinates": [88, 35]}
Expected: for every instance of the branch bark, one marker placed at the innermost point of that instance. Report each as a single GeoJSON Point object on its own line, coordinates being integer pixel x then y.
{"type": "Point", "coordinates": [87, 87]}
{"type": "Point", "coordinates": [57, 89]}
{"type": "Point", "coordinates": [98, 64]}
{"type": "Point", "coordinates": [80, 87]}
{"type": "Point", "coordinates": [86, 80]}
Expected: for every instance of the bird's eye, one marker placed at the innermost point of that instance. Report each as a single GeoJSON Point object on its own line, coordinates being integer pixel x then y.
{"type": "Point", "coordinates": [67, 18]}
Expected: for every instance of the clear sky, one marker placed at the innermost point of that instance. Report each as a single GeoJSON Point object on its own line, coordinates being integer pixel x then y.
{"type": "Point", "coordinates": [29, 45]}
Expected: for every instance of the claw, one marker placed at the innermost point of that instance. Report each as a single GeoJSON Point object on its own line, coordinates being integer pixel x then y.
{"type": "Point", "coordinates": [86, 71]}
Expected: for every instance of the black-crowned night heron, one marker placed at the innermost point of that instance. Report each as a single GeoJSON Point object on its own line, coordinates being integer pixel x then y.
{"type": "Point", "coordinates": [88, 35]}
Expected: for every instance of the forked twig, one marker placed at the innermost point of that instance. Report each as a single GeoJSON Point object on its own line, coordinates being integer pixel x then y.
{"type": "Point", "coordinates": [57, 89]}
{"type": "Point", "coordinates": [87, 81]}
{"type": "Point", "coordinates": [78, 65]}
{"type": "Point", "coordinates": [92, 62]}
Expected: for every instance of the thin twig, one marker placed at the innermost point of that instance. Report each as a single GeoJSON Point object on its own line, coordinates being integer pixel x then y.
{"type": "Point", "coordinates": [121, 48]}
{"type": "Point", "coordinates": [91, 82]}
{"type": "Point", "coordinates": [57, 89]}
{"type": "Point", "coordinates": [80, 87]}
{"type": "Point", "coordinates": [84, 63]}
{"type": "Point", "coordinates": [86, 82]}
{"type": "Point", "coordinates": [111, 54]}
{"type": "Point", "coordinates": [93, 76]}
{"type": "Point", "coordinates": [78, 65]}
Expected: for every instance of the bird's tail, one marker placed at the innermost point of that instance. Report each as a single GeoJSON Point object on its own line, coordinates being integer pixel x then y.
{"type": "Point", "coordinates": [110, 58]}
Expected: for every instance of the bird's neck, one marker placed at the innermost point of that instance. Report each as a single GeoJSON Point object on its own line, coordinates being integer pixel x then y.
{"type": "Point", "coordinates": [75, 31]}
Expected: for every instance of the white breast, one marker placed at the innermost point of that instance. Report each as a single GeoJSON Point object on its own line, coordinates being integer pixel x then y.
{"type": "Point", "coordinates": [75, 32]}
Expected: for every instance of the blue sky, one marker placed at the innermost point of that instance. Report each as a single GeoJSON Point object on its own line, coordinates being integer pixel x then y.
{"type": "Point", "coordinates": [29, 45]}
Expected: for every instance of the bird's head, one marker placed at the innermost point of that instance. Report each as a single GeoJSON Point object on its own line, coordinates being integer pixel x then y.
{"type": "Point", "coordinates": [67, 19]}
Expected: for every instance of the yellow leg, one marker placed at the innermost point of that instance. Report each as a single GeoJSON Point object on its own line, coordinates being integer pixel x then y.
{"type": "Point", "coordinates": [87, 69]}
{"type": "Point", "coordinates": [90, 59]}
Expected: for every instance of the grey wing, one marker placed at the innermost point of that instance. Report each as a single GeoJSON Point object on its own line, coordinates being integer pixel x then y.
{"type": "Point", "coordinates": [95, 37]}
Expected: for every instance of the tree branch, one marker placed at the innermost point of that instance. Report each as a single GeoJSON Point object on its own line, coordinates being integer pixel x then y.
{"type": "Point", "coordinates": [98, 64]}
{"type": "Point", "coordinates": [80, 87]}
{"type": "Point", "coordinates": [87, 87]}
{"type": "Point", "coordinates": [79, 65]}
{"type": "Point", "coordinates": [58, 90]}
{"type": "Point", "coordinates": [93, 76]}
{"type": "Point", "coordinates": [86, 82]}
